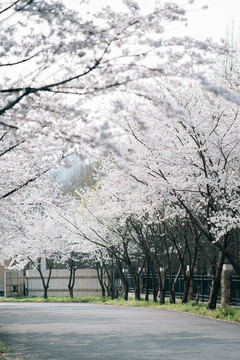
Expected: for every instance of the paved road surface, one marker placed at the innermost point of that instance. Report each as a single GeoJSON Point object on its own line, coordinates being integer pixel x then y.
{"type": "Point", "coordinates": [47, 331]}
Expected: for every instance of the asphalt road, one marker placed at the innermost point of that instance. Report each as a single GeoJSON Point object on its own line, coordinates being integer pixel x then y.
{"type": "Point", "coordinates": [42, 331]}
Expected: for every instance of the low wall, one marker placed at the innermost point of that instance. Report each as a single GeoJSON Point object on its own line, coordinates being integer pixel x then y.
{"type": "Point", "coordinates": [13, 283]}
{"type": "Point", "coordinates": [86, 283]}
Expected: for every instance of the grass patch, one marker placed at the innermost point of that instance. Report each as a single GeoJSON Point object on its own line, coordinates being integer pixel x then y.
{"type": "Point", "coordinates": [2, 350]}
{"type": "Point", "coordinates": [224, 313]}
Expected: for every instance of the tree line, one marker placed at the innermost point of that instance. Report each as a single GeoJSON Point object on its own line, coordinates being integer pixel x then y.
{"type": "Point", "coordinates": [158, 115]}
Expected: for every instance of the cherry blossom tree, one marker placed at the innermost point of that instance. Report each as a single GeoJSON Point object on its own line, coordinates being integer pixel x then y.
{"type": "Point", "coordinates": [33, 246]}
{"type": "Point", "coordinates": [185, 156]}
{"type": "Point", "coordinates": [72, 251]}
{"type": "Point", "coordinates": [111, 246]}
{"type": "Point", "coordinates": [54, 64]}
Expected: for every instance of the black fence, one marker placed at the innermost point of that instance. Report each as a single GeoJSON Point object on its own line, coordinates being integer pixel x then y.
{"type": "Point", "coordinates": [201, 287]}
{"type": "Point", "coordinates": [235, 291]}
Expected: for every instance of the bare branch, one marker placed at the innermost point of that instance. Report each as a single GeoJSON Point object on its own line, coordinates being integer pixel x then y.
{"type": "Point", "coordinates": [24, 184]}
{"type": "Point", "coordinates": [20, 61]}
{"type": "Point", "coordinates": [12, 147]}
{"type": "Point", "coordinates": [9, 7]}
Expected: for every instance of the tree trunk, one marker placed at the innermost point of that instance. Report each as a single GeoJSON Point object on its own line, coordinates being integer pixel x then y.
{"type": "Point", "coordinates": [125, 292]}
{"type": "Point", "coordinates": [123, 279]}
{"type": "Point", "coordinates": [45, 294]}
{"type": "Point", "coordinates": [187, 284]}
{"type": "Point", "coordinates": [147, 283]}
{"type": "Point", "coordinates": [111, 288]}
{"type": "Point", "coordinates": [124, 285]}
{"type": "Point", "coordinates": [71, 282]}
{"type": "Point", "coordinates": [70, 291]}
{"type": "Point", "coordinates": [188, 276]}
{"type": "Point", "coordinates": [137, 290]}
{"type": "Point", "coordinates": [45, 285]}
{"type": "Point", "coordinates": [135, 275]}
{"type": "Point", "coordinates": [136, 280]}
{"type": "Point", "coordinates": [216, 282]}
{"type": "Point", "coordinates": [161, 286]}
{"type": "Point", "coordinates": [100, 278]}
{"type": "Point", "coordinates": [173, 285]}
{"type": "Point", "coordinates": [172, 298]}
{"type": "Point", "coordinates": [154, 285]}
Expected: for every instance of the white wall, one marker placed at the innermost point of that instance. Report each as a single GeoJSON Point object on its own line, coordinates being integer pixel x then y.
{"type": "Point", "coordinates": [86, 283]}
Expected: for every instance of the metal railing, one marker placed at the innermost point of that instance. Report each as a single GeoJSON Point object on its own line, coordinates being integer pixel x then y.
{"type": "Point", "coordinates": [235, 290]}
{"type": "Point", "coordinates": [201, 287]}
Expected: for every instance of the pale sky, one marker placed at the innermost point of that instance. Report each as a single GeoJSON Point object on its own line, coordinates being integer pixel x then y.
{"type": "Point", "coordinates": [202, 24]}
{"type": "Point", "coordinates": [214, 21]}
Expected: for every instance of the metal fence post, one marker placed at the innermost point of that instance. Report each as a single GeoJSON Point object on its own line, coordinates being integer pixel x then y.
{"type": "Point", "coordinates": [202, 287]}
